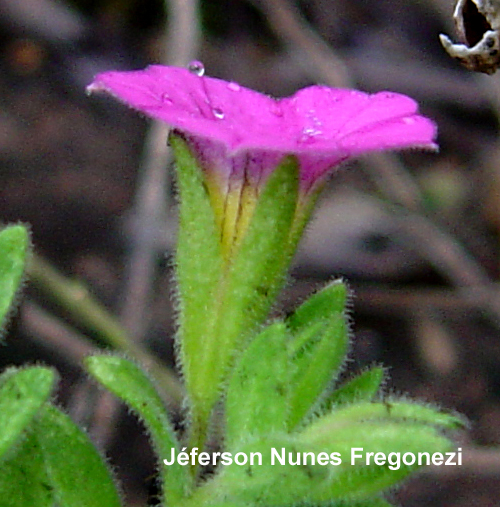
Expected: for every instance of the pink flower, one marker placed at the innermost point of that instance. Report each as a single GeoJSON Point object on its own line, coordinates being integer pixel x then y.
{"type": "Point", "coordinates": [235, 131]}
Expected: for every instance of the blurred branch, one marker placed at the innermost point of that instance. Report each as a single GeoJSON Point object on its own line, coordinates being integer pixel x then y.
{"type": "Point", "coordinates": [183, 33]}
{"type": "Point", "coordinates": [53, 20]}
{"type": "Point", "coordinates": [387, 300]}
{"type": "Point", "coordinates": [180, 45]}
{"type": "Point", "coordinates": [53, 334]}
{"type": "Point", "coordinates": [454, 263]}
{"type": "Point", "coordinates": [63, 341]}
{"type": "Point", "coordinates": [444, 252]}
{"type": "Point", "coordinates": [76, 300]}
{"type": "Point", "coordinates": [319, 58]}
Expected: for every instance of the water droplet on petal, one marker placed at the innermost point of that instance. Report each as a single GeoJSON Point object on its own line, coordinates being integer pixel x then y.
{"type": "Point", "coordinates": [235, 87]}
{"type": "Point", "coordinates": [196, 67]}
{"type": "Point", "coordinates": [315, 121]}
{"type": "Point", "coordinates": [218, 113]}
{"type": "Point", "coordinates": [308, 134]}
{"type": "Point", "coordinates": [166, 99]}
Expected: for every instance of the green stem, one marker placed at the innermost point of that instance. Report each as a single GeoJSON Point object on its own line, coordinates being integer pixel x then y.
{"type": "Point", "coordinates": [198, 433]}
{"type": "Point", "coordinates": [74, 297]}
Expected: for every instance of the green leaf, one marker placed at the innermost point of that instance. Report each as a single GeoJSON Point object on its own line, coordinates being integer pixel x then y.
{"type": "Point", "coordinates": [74, 468]}
{"type": "Point", "coordinates": [127, 381]}
{"type": "Point", "coordinates": [387, 411]}
{"type": "Point", "coordinates": [266, 484]}
{"type": "Point", "coordinates": [256, 402]}
{"type": "Point", "coordinates": [318, 348]}
{"type": "Point", "coordinates": [326, 303]}
{"type": "Point", "coordinates": [372, 502]}
{"type": "Point", "coordinates": [14, 243]}
{"type": "Point", "coordinates": [387, 428]}
{"type": "Point", "coordinates": [363, 387]}
{"type": "Point", "coordinates": [357, 479]}
{"type": "Point", "coordinates": [316, 367]}
{"type": "Point", "coordinates": [366, 502]}
{"type": "Point", "coordinates": [334, 482]}
{"type": "Point", "coordinates": [23, 480]}
{"type": "Point", "coordinates": [22, 393]}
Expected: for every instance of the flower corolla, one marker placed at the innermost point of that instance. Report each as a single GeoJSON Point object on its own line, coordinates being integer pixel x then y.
{"type": "Point", "coordinates": [240, 134]}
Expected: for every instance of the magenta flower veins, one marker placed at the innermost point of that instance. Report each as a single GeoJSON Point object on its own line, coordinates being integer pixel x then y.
{"type": "Point", "coordinates": [236, 131]}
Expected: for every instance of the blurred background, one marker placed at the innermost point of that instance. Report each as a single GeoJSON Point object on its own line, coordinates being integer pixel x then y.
{"type": "Point", "coordinates": [416, 235]}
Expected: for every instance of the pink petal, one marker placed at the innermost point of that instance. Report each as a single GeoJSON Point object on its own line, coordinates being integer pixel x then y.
{"type": "Point", "coordinates": [238, 117]}
{"type": "Point", "coordinates": [237, 129]}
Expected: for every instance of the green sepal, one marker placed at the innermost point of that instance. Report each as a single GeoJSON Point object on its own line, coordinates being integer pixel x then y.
{"type": "Point", "coordinates": [223, 300]}
{"type": "Point", "coordinates": [363, 387]}
{"type": "Point", "coordinates": [14, 246]}
{"type": "Point", "coordinates": [22, 394]}
{"type": "Point", "coordinates": [198, 273]}
{"type": "Point", "coordinates": [75, 470]}
{"type": "Point", "coordinates": [257, 272]}
{"type": "Point", "coordinates": [127, 381]}
{"type": "Point", "coordinates": [318, 348]}
{"type": "Point", "coordinates": [258, 269]}
{"type": "Point", "coordinates": [256, 402]}
{"type": "Point", "coordinates": [23, 480]}
{"type": "Point", "coordinates": [305, 207]}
